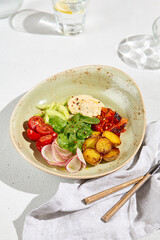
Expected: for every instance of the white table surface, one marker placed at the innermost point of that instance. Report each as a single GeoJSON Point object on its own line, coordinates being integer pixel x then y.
{"type": "Point", "coordinates": [26, 58]}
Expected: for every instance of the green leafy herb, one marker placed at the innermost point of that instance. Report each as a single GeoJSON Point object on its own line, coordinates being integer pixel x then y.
{"type": "Point", "coordinates": [89, 120]}
{"type": "Point", "coordinates": [63, 141]}
{"type": "Point", "coordinates": [84, 132]}
{"type": "Point", "coordinates": [78, 144]}
{"type": "Point", "coordinates": [72, 133]}
{"type": "Point", "coordinates": [57, 123]}
{"type": "Point", "coordinates": [76, 117]}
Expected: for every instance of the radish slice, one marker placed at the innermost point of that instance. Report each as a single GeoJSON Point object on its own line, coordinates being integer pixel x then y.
{"type": "Point", "coordinates": [57, 158]}
{"type": "Point", "coordinates": [55, 141]}
{"type": "Point", "coordinates": [47, 154]}
{"type": "Point", "coordinates": [80, 157]}
{"type": "Point", "coordinates": [65, 154]}
{"type": "Point", "coordinates": [73, 165]}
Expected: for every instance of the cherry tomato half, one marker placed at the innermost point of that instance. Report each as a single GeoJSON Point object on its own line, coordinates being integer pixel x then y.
{"type": "Point", "coordinates": [33, 135]}
{"type": "Point", "coordinates": [45, 140]}
{"type": "Point", "coordinates": [34, 121]}
{"type": "Point", "coordinates": [39, 145]}
{"type": "Point", "coordinates": [44, 129]}
{"type": "Point", "coordinates": [54, 135]}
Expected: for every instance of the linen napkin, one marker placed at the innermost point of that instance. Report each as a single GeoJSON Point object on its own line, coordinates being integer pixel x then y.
{"type": "Point", "coordinates": [66, 217]}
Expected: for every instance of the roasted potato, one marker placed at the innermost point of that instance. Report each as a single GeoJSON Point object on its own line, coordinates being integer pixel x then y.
{"type": "Point", "coordinates": [103, 145]}
{"type": "Point", "coordinates": [89, 143]}
{"type": "Point", "coordinates": [92, 156]}
{"type": "Point", "coordinates": [112, 155]}
{"type": "Point", "coordinates": [95, 134]}
{"type": "Point", "coordinates": [113, 138]}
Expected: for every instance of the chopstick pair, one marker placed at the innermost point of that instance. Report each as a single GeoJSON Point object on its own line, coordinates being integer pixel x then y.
{"type": "Point", "coordinates": [138, 183]}
{"type": "Point", "coordinates": [109, 191]}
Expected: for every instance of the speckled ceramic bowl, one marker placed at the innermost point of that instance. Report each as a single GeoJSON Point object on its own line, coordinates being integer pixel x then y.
{"type": "Point", "coordinates": [110, 85]}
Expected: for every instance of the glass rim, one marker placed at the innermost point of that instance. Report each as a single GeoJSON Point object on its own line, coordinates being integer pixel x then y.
{"type": "Point", "coordinates": [68, 2]}
{"type": "Point", "coordinates": [154, 27]}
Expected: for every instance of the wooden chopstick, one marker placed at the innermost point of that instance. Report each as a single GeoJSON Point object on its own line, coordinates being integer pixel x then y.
{"type": "Point", "coordinates": [105, 193]}
{"type": "Point", "coordinates": [123, 200]}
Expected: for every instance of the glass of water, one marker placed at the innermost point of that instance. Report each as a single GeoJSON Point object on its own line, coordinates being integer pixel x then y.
{"type": "Point", "coordinates": [70, 15]}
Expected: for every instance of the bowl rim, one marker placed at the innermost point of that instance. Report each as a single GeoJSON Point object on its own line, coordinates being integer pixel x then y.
{"type": "Point", "coordinates": [59, 173]}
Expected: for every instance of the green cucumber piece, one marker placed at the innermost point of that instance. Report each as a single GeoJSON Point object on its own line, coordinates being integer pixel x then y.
{"type": "Point", "coordinates": [53, 105]}
{"type": "Point", "coordinates": [51, 113]}
{"type": "Point", "coordinates": [62, 109]}
{"type": "Point", "coordinates": [46, 118]}
{"type": "Point", "coordinates": [64, 103]}
{"type": "Point", "coordinates": [40, 114]}
{"type": "Point", "coordinates": [43, 106]}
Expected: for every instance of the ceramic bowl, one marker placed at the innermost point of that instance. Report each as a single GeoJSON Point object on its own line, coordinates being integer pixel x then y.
{"type": "Point", "coordinates": [113, 87]}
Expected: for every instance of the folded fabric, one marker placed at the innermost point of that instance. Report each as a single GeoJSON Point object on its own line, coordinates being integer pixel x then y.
{"type": "Point", "coordinates": [66, 217]}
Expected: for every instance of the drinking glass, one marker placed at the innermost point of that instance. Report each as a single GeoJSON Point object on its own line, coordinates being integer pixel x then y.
{"type": "Point", "coordinates": [70, 15]}
{"type": "Point", "coordinates": [142, 51]}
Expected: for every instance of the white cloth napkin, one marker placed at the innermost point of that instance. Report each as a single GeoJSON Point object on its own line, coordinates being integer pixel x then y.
{"type": "Point", "coordinates": [65, 217]}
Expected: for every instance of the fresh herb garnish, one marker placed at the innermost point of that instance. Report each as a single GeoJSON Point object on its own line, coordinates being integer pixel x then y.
{"type": "Point", "coordinates": [89, 120]}
{"type": "Point", "coordinates": [57, 123]}
{"type": "Point", "coordinates": [72, 133]}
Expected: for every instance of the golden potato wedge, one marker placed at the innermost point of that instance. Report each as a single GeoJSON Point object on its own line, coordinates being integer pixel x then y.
{"type": "Point", "coordinates": [112, 155]}
{"type": "Point", "coordinates": [95, 134]}
{"type": "Point", "coordinates": [113, 138]}
{"type": "Point", "coordinates": [103, 145]}
{"type": "Point", "coordinates": [90, 143]}
{"type": "Point", "coordinates": [92, 156]}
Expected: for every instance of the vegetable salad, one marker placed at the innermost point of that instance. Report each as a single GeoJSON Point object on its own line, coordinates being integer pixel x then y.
{"type": "Point", "coordinates": [76, 132]}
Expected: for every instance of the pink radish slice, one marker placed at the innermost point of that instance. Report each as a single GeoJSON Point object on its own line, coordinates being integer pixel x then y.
{"type": "Point", "coordinates": [47, 154]}
{"type": "Point", "coordinates": [65, 154]}
{"type": "Point", "coordinates": [57, 158]}
{"type": "Point", "coordinates": [55, 141]}
{"type": "Point", "coordinates": [80, 157]}
{"type": "Point", "coordinates": [73, 165]}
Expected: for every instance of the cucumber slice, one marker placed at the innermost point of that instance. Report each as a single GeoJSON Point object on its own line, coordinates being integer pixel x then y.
{"type": "Point", "coordinates": [64, 103]}
{"type": "Point", "coordinates": [51, 113]}
{"type": "Point", "coordinates": [53, 109]}
{"type": "Point", "coordinates": [46, 118]}
{"type": "Point", "coordinates": [40, 114]}
{"type": "Point", "coordinates": [62, 109]}
{"type": "Point", "coordinates": [43, 106]}
{"type": "Point", "coordinates": [53, 105]}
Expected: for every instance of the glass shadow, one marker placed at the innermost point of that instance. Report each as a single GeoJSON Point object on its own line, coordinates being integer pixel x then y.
{"type": "Point", "coordinates": [140, 51]}
{"type": "Point", "coordinates": [35, 22]}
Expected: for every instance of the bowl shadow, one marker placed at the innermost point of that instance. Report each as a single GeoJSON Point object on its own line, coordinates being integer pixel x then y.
{"type": "Point", "coordinates": [20, 175]}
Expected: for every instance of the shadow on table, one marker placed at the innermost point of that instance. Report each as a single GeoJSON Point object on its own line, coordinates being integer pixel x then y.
{"type": "Point", "coordinates": [19, 174]}
{"type": "Point", "coordinates": [140, 51]}
{"type": "Point", "coordinates": [35, 22]}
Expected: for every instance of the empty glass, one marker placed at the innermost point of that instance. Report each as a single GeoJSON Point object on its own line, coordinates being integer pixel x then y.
{"type": "Point", "coordinates": [142, 51]}
{"type": "Point", "coordinates": [70, 15]}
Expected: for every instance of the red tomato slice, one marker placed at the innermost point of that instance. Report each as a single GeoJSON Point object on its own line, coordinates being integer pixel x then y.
{"type": "Point", "coordinates": [54, 135]}
{"type": "Point", "coordinates": [34, 121]}
{"type": "Point", "coordinates": [33, 135]}
{"type": "Point", "coordinates": [39, 145]}
{"type": "Point", "coordinates": [45, 140]}
{"type": "Point", "coordinates": [44, 129]}
{"type": "Point", "coordinates": [97, 127]}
